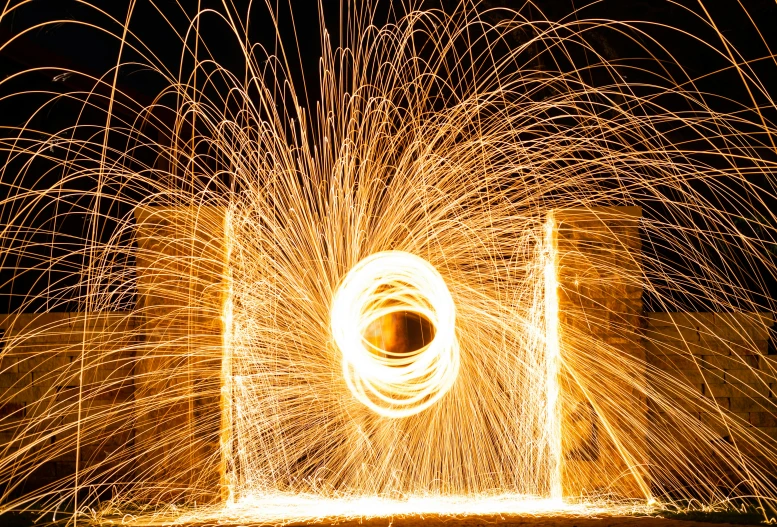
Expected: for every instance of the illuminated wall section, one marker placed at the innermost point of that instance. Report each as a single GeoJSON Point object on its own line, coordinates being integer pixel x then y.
{"type": "Point", "coordinates": [602, 386]}
{"type": "Point", "coordinates": [182, 285]}
{"type": "Point", "coordinates": [67, 397]}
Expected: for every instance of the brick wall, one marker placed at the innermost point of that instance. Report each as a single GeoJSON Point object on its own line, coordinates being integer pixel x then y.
{"type": "Point", "coordinates": [602, 377]}
{"type": "Point", "coordinates": [146, 384]}
{"type": "Point", "coordinates": [670, 404]}
{"type": "Point", "coordinates": [712, 395]}
{"type": "Point", "coordinates": [41, 361]}
{"type": "Point", "coordinates": [181, 268]}
{"type": "Point", "coordinates": [637, 392]}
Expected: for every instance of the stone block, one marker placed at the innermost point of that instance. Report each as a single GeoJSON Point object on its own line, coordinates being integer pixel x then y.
{"type": "Point", "coordinates": [720, 401]}
{"type": "Point", "coordinates": [720, 389]}
{"type": "Point", "coordinates": [673, 335]}
{"type": "Point", "coordinates": [39, 400]}
{"type": "Point", "coordinates": [11, 411]}
{"type": "Point", "coordinates": [697, 377]}
{"type": "Point", "coordinates": [25, 393]}
{"type": "Point", "coordinates": [746, 375]}
{"type": "Point", "coordinates": [618, 341]}
{"type": "Point", "coordinates": [753, 347]}
{"type": "Point", "coordinates": [763, 419]}
{"type": "Point", "coordinates": [744, 334]}
{"type": "Point", "coordinates": [684, 401]}
{"type": "Point", "coordinates": [675, 347]}
{"type": "Point", "coordinates": [767, 363]}
{"type": "Point", "coordinates": [770, 431]}
{"type": "Point", "coordinates": [687, 321]}
{"type": "Point", "coordinates": [718, 424]}
{"type": "Point", "coordinates": [752, 319]}
{"type": "Point", "coordinates": [14, 322]}
{"type": "Point", "coordinates": [729, 362]}
{"type": "Point", "coordinates": [12, 380]}
{"type": "Point", "coordinates": [733, 390]}
{"type": "Point", "coordinates": [42, 362]}
{"type": "Point", "coordinates": [33, 340]}
{"type": "Point", "coordinates": [752, 404]}
{"type": "Point", "coordinates": [68, 393]}
{"type": "Point", "coordinates": [759, 333]}
{"type": "Point", "coordinates": [751, 360]}
{"type": "Point", "coordinates": [750, 390]}
{"type": "Point", "coordinates": [671, 362]}
{"type": "Point", "coordinates": [8, 363]}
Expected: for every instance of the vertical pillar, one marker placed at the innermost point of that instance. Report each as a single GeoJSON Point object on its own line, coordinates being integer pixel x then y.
{"type": "Point", "coordinates": [602, 399]}
{"type": "Point", "coordinates": [182, 279]}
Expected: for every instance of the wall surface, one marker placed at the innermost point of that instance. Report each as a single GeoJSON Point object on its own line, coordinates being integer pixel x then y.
{"type": "Point", "coordinates": [712, 392]}
{"type": "Point", "coordinates": [145, 384]}
{"type": "Point", "coordinates": [181, 269]}
{"type": "Point", "coordinates": [653, 403]}
{"type": "Point", "coordinates": [151, 398]}
{"type": "Point", "coordinates": [43, 395]}
{"type": "Point", "coordinates": [602, 377]}
{"type": "Point", "coordinates": [718, 355]}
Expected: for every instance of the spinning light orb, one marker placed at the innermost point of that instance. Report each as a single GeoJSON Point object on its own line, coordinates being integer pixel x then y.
{"type": "Point", "coordinates": [395, 381]}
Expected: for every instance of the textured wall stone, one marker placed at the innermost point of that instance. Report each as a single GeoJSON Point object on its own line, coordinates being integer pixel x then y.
{"type": "Point", "coordinates": [720, 362]}
{"type": "Point", "coordinates": [57, 369]}
{"type": "Point", "coordinates": [181, 268]}
{"type": "Point", "coordinates": [602, 378]}
{"type": "Point", "coordinates": [141, 389]}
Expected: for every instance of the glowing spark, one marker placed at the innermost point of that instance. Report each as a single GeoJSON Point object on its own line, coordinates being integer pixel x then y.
{"type": "Point", "coordinates": [553, 357]}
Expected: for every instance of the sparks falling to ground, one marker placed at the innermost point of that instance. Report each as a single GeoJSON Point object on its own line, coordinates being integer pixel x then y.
{"type": "Point", "coordinates": [293, 307]}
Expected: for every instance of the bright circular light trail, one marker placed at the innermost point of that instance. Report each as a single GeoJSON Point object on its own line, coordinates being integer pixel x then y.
{"type": "Point", "coordinates": [390, 383]}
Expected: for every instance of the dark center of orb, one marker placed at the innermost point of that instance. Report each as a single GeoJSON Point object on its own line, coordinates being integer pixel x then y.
{"type": "Point", "coordinates": [400, 332]}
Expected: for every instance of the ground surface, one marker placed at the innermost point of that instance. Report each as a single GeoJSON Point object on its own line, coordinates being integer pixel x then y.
{"type": "Point", "coordinates": [674, 520]}
{"type": "Point", "coordinates": [553, 521]}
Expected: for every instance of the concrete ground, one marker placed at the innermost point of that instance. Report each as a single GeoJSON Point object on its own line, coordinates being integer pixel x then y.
{"type": "Point", "coordinates": [724, 519]}
{"type": "Point", "coordinates": [703, 520]}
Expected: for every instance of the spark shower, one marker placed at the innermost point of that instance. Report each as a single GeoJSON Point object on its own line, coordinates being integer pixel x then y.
{"type": "Point", "coordinates": [419, 179]}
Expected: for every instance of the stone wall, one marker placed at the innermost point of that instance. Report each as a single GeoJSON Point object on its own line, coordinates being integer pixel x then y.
{"type": "Point", "coordinates": [153, 400]}
{"type": "Point", "coordinates": [146, 384]}
{"type": "Point", "coordinates": [720, 356]}
{"type": "Point", "coordinates": [43, 394]}
{"type": "Point", "coordinates": [602, 376]}
{"type": "Point", "coordinates": [182, 280]}
{"type": "Point", "coordinates": [712, 396]}
{"type": "Point", "coordinates": [653, 403]}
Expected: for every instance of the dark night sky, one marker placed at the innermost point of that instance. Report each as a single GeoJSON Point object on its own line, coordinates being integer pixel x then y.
{"type": "Point", "coordinates": [85, 49]}
{"type": "Point", "coordinates": [68, 45]}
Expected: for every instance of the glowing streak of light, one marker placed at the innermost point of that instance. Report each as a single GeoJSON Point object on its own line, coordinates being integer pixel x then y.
{"type": "Point", "coordinates": [311, 508]}
{"type": "Point", "coordinates": [226, 469]}
{"type": "Point", "coordinates": [553, 358]}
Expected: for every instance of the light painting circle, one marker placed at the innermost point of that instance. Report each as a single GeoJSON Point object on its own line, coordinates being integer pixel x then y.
{"type": "Point", "coordinates": [395, 384]}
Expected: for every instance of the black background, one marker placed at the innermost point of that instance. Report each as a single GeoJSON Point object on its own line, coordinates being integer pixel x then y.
{"type": "Point", "coordinates": [65, 40]}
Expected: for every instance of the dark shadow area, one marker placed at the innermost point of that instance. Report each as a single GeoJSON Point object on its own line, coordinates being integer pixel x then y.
{"type": "Point", "coordinates": [400, 332]}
